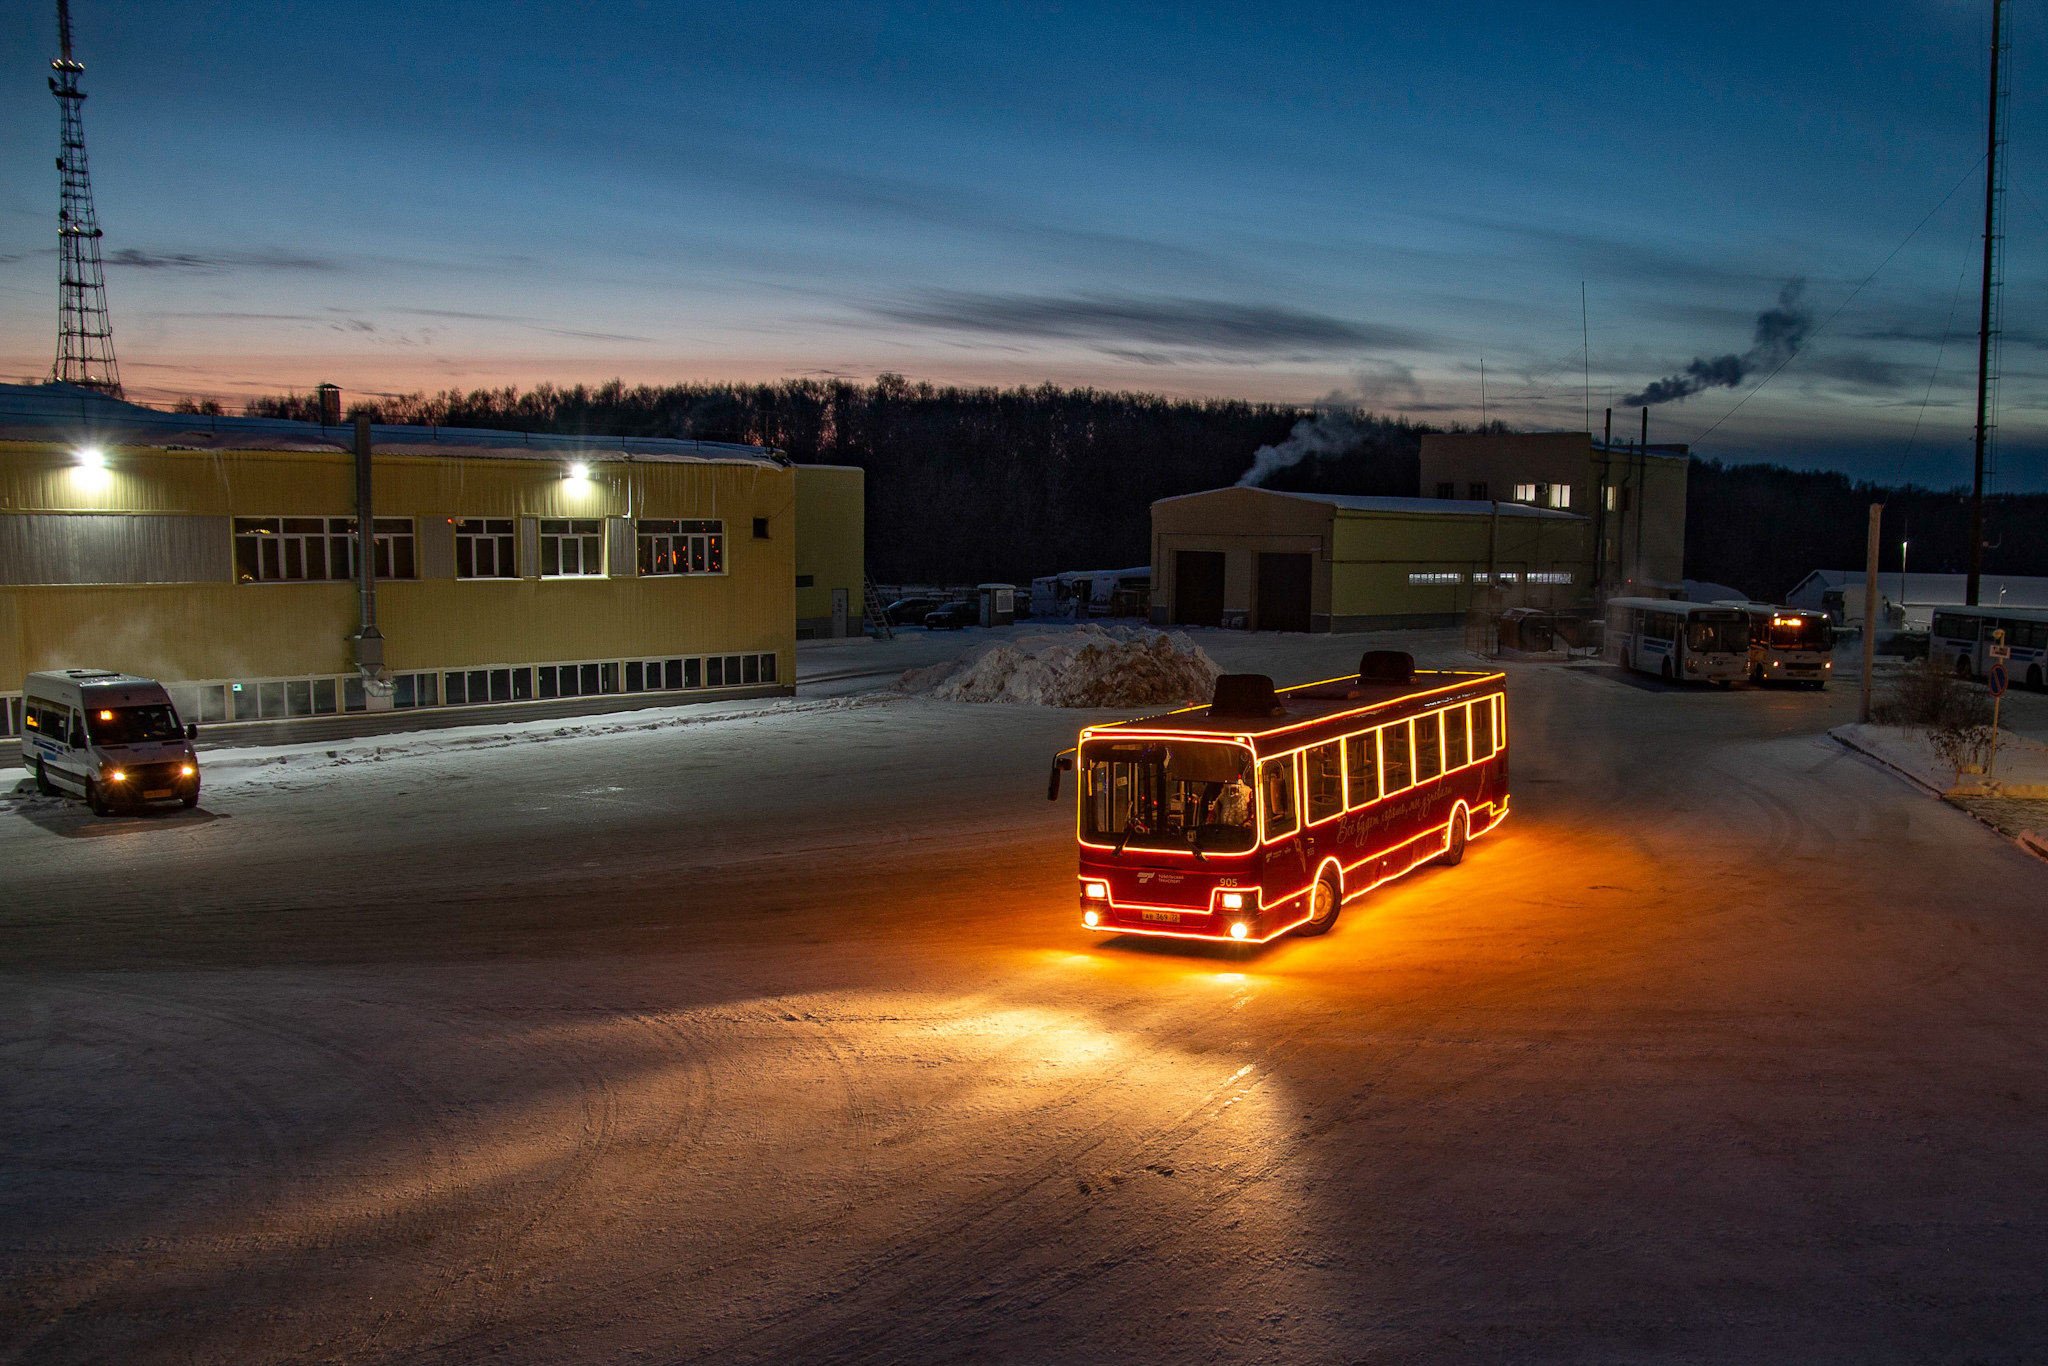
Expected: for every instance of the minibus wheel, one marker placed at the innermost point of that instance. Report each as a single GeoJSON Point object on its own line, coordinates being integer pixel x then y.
{"type": "Point", "coordinates": [43, 783]}
{"type": "Point", "coordinates": [190, 799]}
{"type": "Point", "coordinates": [1324, 904]}
{"type": "Point", "coordinates": [93, 800]}
{"type": "Point", "coordinates": [1460, 831]}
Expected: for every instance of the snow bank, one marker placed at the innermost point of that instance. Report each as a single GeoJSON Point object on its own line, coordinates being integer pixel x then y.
{"type": "Point", "coordinates": [1089, 666]}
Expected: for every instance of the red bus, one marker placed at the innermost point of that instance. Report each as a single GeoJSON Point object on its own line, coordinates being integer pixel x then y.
{"type": "Point", "coordinates": [1268, 810]}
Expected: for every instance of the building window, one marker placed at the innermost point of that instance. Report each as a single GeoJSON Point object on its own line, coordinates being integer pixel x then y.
{"type": "Point", "coordinates": [1420, 580]}
{"type": "Point", "coordinates": [1477, 492]}
{"type": "Point", "coordinates": [1560, 495]}
{"type": "Point", "coordinates": [483, 550]}
{"type": "Point", "coordinates": [806, 580]}
{"type": "Point", "coordinates": [571, 549]}
{"type": "Point", "coordinates": [1447, 490]}
{"type": "Point", "coordinates": [1550, 576]}
{"type": "Point", "coordinates": [671, 546]}
{"type": "Point", "coordinates": [288, 549]}
{"type": "Point", "coordinates": [396, 556]}
{"type": "Point", "coordinates": [1525, 493]}
{"type": "Point", "coordinates": [760, 528]}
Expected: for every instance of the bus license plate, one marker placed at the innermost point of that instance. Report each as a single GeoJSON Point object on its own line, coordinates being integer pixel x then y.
{"type": "Point", "coordinates": [1173, 917]}
{"type": "Point", "coordinates": [158, 794]}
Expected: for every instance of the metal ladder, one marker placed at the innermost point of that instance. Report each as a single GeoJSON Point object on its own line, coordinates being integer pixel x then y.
{"type": "Point", "coordinates": [871, 603]}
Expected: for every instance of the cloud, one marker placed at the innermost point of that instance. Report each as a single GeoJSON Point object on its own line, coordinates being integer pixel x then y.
{"type": "Point", "coordinates": [218, 263]}
{"type": "Point", "coordinates": [1148, 327]}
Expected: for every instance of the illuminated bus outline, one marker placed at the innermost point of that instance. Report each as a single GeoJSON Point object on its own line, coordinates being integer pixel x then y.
{"type": "Point", "coordinates": [1475, 686]}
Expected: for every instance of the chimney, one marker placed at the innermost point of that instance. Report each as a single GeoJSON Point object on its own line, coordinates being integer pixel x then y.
{"type": "Point", "coordinates": [330, 404]}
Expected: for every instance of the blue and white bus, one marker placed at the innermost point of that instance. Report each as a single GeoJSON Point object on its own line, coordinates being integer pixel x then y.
{"type": "Point", "coordinates": [1962, 638]}
{"type": "Point", "coordinates": [1789, 644]}
{"type": "Point", "coordinates": [1681, 642]}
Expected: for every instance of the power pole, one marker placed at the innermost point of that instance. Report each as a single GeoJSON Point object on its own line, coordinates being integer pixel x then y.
{"type": "Point", "coordinates": [1869, 610]}
{"type": "Point", "coordinates": [1987, 310]}
{"type": "Point", "coordinates": [85, 337]}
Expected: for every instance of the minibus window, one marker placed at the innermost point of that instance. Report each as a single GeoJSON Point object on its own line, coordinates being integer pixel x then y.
{"type": "Point", "coordinates": [1429, 747]}
{"type": "Point", "coordinates": [1276, 781]}
{"type": "Point", "coordinates": [134, 725]}
{"type": "Point", "coordinates": [1482, 728]}
{"type": "Point", "coordinates": [1325, 781]}
{"type": "Point", "coordinates": [1397, 766]}
{"type": "Point", "coordinates": [1362, 768]}
{"type": "Point", "coordinates": [1456, 720]}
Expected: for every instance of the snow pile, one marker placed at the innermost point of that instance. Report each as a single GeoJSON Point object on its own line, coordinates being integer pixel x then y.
{"type": "Point", "coordinates": [1089, 666]}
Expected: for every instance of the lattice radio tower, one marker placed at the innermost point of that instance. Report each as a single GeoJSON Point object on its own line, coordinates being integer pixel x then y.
{"type": "Point", "coordinates": [85, 337]}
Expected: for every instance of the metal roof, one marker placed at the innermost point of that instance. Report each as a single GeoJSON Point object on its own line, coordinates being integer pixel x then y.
{"type": "Point", "coordinates": [69, 412]}
{"type": "Point", "coordinates": [1354, 502]}
{"type": "Point", "coordinates": [1925, 590]}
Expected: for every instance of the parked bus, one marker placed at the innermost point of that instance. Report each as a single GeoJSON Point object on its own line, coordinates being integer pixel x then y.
{"type": "Point", "coordinates": [1269, 810]}
{"type": "Point", "coordinates": [1961, 637]}
{"type": "Point", "coordinates": [1789, 644]}
{"type": "Point", "coordinates": [111, 738]}
{"type": "Point", "coordinates": [1683, 642]}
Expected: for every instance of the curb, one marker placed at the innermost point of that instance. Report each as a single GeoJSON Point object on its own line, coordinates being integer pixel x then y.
{"type": "Point", "coordinates": [2034, 842]}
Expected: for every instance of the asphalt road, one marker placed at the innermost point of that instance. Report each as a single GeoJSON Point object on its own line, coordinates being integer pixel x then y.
{"type": "Point", "coordinates": [774, 1038]}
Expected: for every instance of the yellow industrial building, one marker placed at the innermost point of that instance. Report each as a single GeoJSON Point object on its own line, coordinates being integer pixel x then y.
{"type": "Point", "coordinates": [831, 555]}
{"type": "Point", "coordinates": [1271, 561]}
{"type": "Point", "coordinates": [216, 554]}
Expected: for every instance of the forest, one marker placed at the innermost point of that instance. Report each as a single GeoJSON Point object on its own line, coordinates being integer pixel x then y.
{"type": "Point", "coordinates": [972, 484]}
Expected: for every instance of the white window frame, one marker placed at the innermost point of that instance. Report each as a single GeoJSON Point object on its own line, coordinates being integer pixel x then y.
{"type": "Point", "coordinates": [505, 547]}
{"type": "Point", "coordinates": [584, 536]}
{"type": "Point", "coordinates": [274, 549]}
{"type": "Point", "coordinates": [680, 547]}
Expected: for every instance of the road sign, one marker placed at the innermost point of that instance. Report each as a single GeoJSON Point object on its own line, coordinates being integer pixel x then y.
{"type": "Point", "coordinates": [1999, 680]}
{"type": "Point", "coordinates": [2000, 652]}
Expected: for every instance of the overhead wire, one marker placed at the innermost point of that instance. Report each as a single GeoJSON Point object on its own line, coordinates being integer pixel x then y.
{"type": "Point", "coordinates": [1845, 303]}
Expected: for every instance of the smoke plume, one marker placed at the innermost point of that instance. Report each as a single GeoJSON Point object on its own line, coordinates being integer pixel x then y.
{"type": "Point", "coordinates": [1780, 332]}
{"type": "Point", "coordinates": [1326, 434]}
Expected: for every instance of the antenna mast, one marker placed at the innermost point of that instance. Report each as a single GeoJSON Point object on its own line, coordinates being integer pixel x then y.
{"type": "Point", "coordinates": [85, 337]}
{"type": "Point", "coordinates": [1988, 309]}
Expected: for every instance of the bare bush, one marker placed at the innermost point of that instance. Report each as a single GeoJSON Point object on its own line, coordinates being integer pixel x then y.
{"type": "Point", "coordinates": [1928, 695]}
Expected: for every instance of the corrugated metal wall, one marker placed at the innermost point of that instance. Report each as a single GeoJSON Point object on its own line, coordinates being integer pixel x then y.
{"type": "Point", "coordinates": [83, 548]}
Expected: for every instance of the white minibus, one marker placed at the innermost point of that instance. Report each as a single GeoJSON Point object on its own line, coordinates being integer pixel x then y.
{"type": "Point", "coordinates": [111, 738]}
{"type": "Point", "coordinates": [1682, 642]}
{"type": "Point", "coordinates": [1789, 644]}
{"type": "Point", "coordinates": [1961, 638]}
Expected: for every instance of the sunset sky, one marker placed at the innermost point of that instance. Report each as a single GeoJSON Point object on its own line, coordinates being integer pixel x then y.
{"type": "Point", "coordinates": [1268, 202]}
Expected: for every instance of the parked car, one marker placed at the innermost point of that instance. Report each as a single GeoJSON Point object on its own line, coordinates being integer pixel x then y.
{"type": "Point", "coordinates": [903, 611]}
{"type": "Point", "coordinates": [953, 616]}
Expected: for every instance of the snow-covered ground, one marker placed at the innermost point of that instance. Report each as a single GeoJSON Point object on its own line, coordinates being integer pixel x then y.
{"type": "Point", "coordinates": [767, 1033]}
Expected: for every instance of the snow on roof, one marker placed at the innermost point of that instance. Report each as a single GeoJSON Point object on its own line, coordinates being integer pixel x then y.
{"type": "Point", "coordinates": [69, 412]}
{"type": "Point", "coordinates": [1926, 590]}
{"type": "Point", "coordinates": [1357, 502]}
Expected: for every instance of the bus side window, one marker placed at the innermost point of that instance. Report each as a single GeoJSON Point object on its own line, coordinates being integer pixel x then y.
{"type": "Point", "coordinates": [1325, 764]}
{"type": "Point", "coordinates": [1500, 721]}
{"type": "Point", "coordinates": [1482, 729]}
{"type": "Point", "coordinates": [1429, 746]}
{"type": "Point", "coordinates": [1457, 737]}
{"type": "Point", "coordinates": [1397, 758]}
{"type": "Point", "coordinates": [1276, 785]}
{"type": "Point", "coordinates": [1362, 768]}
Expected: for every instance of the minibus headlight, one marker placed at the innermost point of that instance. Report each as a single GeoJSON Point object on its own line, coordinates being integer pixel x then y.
{"type": "Point", "coordinates": [1095, 891]}
{"type": "Point", "coordinates": [185, 770]}
{"type": "Point", "coordinates": [1233, 901]}
{"type": "Point", "coordinates": [1240, 930]}
{"type": "Point", "coordinates": [1091, 919]}
{"type": "Point", "coordinates": [115, 775]}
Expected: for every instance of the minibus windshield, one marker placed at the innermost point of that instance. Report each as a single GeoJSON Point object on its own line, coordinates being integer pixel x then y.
{"type": "Point", "coordinates": [132, 725]}
{"type": "Point", "coordinates": [1157, 794]}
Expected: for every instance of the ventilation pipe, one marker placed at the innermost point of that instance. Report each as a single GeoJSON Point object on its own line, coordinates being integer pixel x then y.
{"type": "Point", "coordinates": [369, 641]}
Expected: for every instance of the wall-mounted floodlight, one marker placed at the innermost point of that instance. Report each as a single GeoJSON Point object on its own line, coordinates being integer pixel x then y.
{"type": "Point", "coordinates": [580, 473]}
{"type": "Point", "coordinates": [90, 473]}
{"type": "Point", "coordinates": [92, 458]}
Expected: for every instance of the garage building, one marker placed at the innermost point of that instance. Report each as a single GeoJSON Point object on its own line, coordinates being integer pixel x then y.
{"type": "Point", "coordinates": [1274, 561]}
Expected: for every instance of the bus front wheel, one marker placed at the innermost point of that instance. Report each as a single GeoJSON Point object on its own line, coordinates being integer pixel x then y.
{"type": "Point", "coordinates": [1454, 838]}
{"type": "Point", "coordinates": [1963, 666]}
{"type": "Point", "coordinates": [1324, 904]}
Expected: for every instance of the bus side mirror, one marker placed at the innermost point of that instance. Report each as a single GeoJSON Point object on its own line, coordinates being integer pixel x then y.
{"type": "Point", "coordinates": [1060, 763]}
{"type": "Point", "coordinates": [191, 730]}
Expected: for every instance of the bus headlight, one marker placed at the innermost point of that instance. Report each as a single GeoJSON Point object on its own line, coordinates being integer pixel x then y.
{"type": "Point", "coordinates": [1095, 891]}
{"type": "Point", "coordinates": [1091, 919]}
{"type": "Point", "coordinates": [1240, 930]}
{"type": "Point", "coordinates": [1233, 901]}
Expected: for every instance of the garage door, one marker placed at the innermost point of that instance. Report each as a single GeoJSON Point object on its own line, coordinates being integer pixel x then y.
{"type": "Point", "coordinates": [1198, 588]}
{"type": "Point", "coordinates": [1283, 603]}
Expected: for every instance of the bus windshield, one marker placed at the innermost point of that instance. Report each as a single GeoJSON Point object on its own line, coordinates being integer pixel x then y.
{"type": "Point", "coordinates": [1157, 794]}
{"type": "Point", "coordinates": [1802, 633]}
{"type": "Point", "coordinates": [1704, 634]}
{"type": "Point", "coordinates": [133, 725]}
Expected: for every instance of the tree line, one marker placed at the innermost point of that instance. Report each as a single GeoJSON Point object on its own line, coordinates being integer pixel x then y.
{"type": "Point", "coordinates": [969, 484]}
